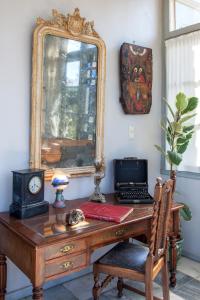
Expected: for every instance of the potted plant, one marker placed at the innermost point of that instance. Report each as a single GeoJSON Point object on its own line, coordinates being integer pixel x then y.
{"type": "Point", "coordinates": [178, 134]}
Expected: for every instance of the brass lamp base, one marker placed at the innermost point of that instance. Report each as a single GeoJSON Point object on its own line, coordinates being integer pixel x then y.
{"type": "Point", "coordinates": [98, 197]}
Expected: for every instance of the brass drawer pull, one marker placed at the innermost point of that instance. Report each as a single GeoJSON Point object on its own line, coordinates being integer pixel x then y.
{"type": "Point", "coordinates": [67, 265]}
{"type": "Point", "coordinates": [120, 232]}
{"type": "Point", "coordinates": [67, 248]}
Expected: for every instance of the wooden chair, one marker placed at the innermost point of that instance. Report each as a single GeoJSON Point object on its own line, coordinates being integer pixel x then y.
{"type": "Point", "coordinates": [137, 262]}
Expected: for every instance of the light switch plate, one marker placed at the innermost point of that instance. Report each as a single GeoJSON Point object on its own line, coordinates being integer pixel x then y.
{"type": "Point", "coordinates": [131, 132]}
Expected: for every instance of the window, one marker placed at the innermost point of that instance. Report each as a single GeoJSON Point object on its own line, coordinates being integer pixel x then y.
{"type": "Point", "coordinates": [182, 61]}
{"type": "Point", "coordinates": [184, 13]}
{"type": "Point", "coordinates": [73, 73]}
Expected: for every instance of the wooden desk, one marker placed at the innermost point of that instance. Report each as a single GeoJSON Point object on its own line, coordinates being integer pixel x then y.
{"type": "Point", "coordinates": [37, 248]}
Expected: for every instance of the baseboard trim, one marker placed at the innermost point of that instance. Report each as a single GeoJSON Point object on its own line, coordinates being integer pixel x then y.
{"type": "Point", "coordinates": [191, 256]}
{"type": "Point", "coordinates": [27, 291]}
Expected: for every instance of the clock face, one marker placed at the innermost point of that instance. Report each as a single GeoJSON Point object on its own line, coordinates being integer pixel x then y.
{"type": "Point", "coordinates": [35, 185]}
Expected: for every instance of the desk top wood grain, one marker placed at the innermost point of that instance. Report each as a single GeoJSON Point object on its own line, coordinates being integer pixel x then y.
{"type": "Point", "coordinates": [41, 229]}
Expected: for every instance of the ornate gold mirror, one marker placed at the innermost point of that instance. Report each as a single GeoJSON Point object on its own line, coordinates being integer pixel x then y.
{"type": "Point", "coordinates": [67, 95]}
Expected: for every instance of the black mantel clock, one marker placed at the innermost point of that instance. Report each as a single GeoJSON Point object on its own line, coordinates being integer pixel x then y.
{"type": "Point", "coordinates": [28, 193]}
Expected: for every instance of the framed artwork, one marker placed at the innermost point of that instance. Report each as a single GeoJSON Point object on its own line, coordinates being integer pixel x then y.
{"type": "Point", "coordinates": [135, 79]}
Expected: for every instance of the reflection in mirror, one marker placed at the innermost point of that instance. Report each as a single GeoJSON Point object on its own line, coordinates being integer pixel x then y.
{"type": "Point", "coordinates": [69, 103]}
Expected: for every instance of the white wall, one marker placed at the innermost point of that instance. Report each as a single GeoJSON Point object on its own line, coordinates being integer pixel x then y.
{"type": "Point", "coordinates": [117, 22]}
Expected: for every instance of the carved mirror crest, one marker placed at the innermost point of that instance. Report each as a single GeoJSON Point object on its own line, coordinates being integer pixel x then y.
{"type": "Point", "coordinates": [67, 95]}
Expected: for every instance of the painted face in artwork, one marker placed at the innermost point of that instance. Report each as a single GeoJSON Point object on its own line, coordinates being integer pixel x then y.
{"type": "Point", "coordinates": [138, 74]}
{"type": "Point", "coordinates": [141, 75]}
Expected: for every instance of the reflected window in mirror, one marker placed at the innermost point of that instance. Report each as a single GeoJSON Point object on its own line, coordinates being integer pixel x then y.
{"type": "Point", "coordinates": [69, 103]}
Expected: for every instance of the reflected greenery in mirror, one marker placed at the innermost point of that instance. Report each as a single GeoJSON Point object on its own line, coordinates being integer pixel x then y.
{"type": "Point", "coordinates": [70, 91]}
{"type": "Point", "coordinates": [67, 95]}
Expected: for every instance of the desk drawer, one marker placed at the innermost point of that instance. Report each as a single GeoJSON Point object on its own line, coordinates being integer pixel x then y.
{"type": "Point", "coordinates": [65, 264]}
{"type": "Point", "coordinates": [64, 248]}
{"type": "Point", "coordinates": [120, 233]}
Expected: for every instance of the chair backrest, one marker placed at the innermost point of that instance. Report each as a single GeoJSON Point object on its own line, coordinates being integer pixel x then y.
{"type": "Point", "coordinates": [161, 217]}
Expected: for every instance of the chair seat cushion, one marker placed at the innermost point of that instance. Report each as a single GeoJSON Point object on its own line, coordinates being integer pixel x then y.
{"type": "Point", "coordinates": [126, 255]}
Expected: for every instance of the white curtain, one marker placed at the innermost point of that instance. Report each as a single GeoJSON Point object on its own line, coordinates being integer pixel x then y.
{"type": "Point", "coordinates": [183, 75]}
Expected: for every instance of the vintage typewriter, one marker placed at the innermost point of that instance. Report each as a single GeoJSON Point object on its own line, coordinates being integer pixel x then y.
{"type": "Point", "coordinates": [131, 181]}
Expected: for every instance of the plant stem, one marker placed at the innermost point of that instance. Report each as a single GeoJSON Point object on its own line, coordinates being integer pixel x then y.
{"type": "Point", "coordinates": [174, 135]}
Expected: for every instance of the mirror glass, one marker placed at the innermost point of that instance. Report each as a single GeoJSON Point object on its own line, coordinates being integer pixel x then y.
{"type": "Point", "coordinates": [69, 102]}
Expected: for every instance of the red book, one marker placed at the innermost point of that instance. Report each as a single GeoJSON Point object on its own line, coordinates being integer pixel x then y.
{"type": "Point", "coordinates": [106, 212]}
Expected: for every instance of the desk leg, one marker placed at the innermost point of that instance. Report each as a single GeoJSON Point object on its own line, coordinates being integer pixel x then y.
{"type": "Point", "coordinates": [38, 293]}
{"type": "Point", "coordinates": [173, 261]}
{"type": "Point", "coordinates": [3, 276]}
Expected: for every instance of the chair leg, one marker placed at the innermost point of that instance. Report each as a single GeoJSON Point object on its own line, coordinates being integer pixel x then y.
{"type": "Point", "coordinates": [96, 287]}
{"type": "Point", "coordinates": [120, 286]}
{"type": "Point", "coordinates": [149, 288]}
{"type": "Point", "coordinates": [165, 281]}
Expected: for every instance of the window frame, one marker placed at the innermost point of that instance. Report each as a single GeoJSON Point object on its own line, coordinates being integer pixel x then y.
{"type": "Point", "coordinates": [167, 34]}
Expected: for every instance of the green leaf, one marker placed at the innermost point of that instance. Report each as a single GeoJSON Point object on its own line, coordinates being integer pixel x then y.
{"type": "Point", "coordinates": [162, 152]}
{"type": "Point", "coordinates": [182, 148]}
{"type": "Point", "coordinates": [189, 135]}
{"type": "Point", "coordinates": [188, 128]}
{"type": "Point", "coordinates": [174, 157]}
{"type": "Point", "coordinates": [184, 119]}
{"type": "Point", "coordinates": [169, 107]}
{"type": "Point", "coordinates": [169, 139]}
{"type": "Point", "coordinates": [181, 102]}
{"type": "Point", "coordinates": [169, 123]}
{"type": "Point", "coordinates": [160, 149]}
{"type": "Point", "coordinates": [169, 129]}
{"type": "Point", "coordinates": [186, 213]}
{"type": "Point", "coordinates": [184, 138]}
{"type": "Point", "coordinates": [163, 126]}
{"type": "Point", "coordinates": [192, 104]}
{"type": "Point", "coordinates": [169, 135]}
{"type": "Point", "coordinates": [181, 140]}
{"type": "Point", "coordinates": [176, 127]}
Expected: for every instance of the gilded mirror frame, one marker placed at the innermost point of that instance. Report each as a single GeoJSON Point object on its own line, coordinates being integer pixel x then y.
{"type": "Point", "coordinates": [76, 28]}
